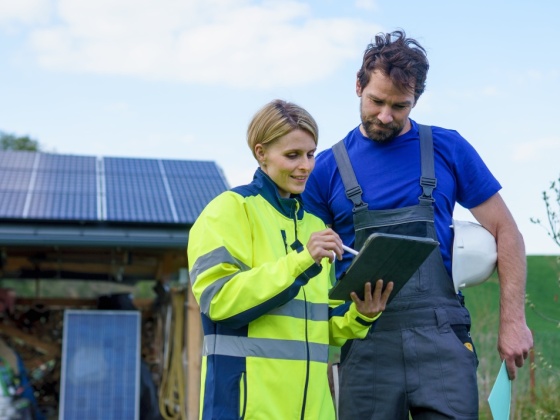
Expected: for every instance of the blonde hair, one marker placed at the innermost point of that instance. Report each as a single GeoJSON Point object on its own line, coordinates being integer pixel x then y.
{"type": "Point", "coordinates": [277, 119]}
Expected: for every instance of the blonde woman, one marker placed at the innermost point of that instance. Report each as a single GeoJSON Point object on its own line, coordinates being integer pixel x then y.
{"type": "Point", "coordinates": [261, 268]}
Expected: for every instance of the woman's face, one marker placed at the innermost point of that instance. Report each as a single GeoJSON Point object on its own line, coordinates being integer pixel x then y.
{"type": "Point", "coordinates": [288, 161]}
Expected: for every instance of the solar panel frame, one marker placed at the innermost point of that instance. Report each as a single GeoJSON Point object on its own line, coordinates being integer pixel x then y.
{"type": "Point", "coordinates": [78, 188]}
{"type": "Point", "coordinates": [100, 367]}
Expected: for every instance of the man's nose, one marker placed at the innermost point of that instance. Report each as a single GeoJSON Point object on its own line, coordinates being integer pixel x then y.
{"type": "Point", "coordinates": [385, 115]}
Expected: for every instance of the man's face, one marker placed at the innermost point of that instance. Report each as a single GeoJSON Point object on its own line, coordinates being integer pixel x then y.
{"type": "Point", "coordinates": [384, 108]}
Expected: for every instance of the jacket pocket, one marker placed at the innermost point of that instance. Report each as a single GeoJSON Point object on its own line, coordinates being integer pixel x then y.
{"type": "Point", "coordinates": [242, 395]}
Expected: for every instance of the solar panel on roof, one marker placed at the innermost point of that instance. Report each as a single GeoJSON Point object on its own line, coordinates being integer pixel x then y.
{"type": "Point", "coordinates": [14, 180]}
{"type": "Point", "coordinates": [66, 182]}
{"type": "Point", "coordinates": [193, 184]}
{"type": "Point", "coordinates": [60, 206]}
{"type": "Point", "coordinates": [12, 203]}
{"type": "Point", "coordinates": [17, 159]}
{"type": "Point", "coordinates": [86, 188]}
{"type": "Point", "coordinates": [66, 163]}
{"type": "Point", "coordinates": [130, 166]}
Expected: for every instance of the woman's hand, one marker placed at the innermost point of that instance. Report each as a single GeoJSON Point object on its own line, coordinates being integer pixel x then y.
{"type": "Point", "coordinates": [325, 244]}
{"type": "Point", "coordinates": [373, 303]}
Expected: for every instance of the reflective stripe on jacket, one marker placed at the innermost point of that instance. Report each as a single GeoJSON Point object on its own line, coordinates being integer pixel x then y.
{"type": "Point", "coordinates": [264, 306]}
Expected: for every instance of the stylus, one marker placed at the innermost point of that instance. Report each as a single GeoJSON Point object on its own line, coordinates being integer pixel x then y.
{"type": "Point", "coordinates": [350, 250]}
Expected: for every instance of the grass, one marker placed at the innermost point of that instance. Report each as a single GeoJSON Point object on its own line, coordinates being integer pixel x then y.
{"type": "Point", "coordinates": [541, 400]}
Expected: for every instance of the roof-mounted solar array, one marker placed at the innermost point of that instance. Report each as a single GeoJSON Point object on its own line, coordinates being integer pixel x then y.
{"type": "Point", "coordinates": [44, 186]}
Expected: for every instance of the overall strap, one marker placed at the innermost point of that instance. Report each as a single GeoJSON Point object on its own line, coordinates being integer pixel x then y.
{"type": "Point", "coordinates": [353, 189]}
{"type": "Point", "coordinates": [428, 180]}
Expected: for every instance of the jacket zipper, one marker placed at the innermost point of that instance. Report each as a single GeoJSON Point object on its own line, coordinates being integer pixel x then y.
{"type": "Point", "coordinates": [285, 239]}
{"type": "Point", "coordinates": [296, 245]}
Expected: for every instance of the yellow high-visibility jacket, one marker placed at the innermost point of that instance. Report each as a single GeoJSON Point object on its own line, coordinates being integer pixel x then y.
{"type": "Point", "coordinates": [264, 306]}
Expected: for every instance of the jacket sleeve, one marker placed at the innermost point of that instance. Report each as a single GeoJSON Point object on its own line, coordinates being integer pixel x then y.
{"type": "Point", "coordinates": [347, 323]}
{"type": "Point", "coordinates": [229, 288]}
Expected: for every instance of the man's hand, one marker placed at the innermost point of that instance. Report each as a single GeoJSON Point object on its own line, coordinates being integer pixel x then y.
{"type": "Point", "coordinates": [514, 338]}
{"type": "Point", "coordinates": [514, 343]}
{"type": "Point", "coordinates": [373, 303]}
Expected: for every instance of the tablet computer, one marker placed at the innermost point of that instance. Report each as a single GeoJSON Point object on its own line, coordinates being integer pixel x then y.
{"type": "Point", "coordinates": [384, 256]}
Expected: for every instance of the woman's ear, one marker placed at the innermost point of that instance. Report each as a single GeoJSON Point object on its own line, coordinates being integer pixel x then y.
{"type": "Point", "coordinates": [260, 153]}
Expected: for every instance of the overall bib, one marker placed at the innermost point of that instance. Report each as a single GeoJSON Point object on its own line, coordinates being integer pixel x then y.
{"type": "Point", "coordinates": [419, 356]}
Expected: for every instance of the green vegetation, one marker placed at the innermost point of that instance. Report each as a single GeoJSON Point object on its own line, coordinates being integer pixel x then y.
{"type": "Point", "coordinates": [10, 141]}
{"type": "Point", "coordinates": [543, 399]}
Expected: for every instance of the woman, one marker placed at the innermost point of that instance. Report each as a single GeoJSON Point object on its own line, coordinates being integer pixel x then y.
{"type": "Point", "coordinates": [261, 269]}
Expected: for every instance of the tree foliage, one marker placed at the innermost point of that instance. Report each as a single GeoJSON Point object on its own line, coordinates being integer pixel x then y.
{"type": "Point", "coordinates": [10, 141]}
{"type": "Point", "coordinates": [552, 226]}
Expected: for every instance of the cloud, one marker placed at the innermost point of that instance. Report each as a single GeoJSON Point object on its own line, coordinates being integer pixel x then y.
{"type": "Point", "coordinates": [23, 11]}
{"type": "Point", "coordinates": [536, 150]}
{"type": "Point", "coordinates": [236, 43]}
{"type": "Point", "coordinates": [366, 4]}
{"type": "Point", "coordinates": [483, 91]}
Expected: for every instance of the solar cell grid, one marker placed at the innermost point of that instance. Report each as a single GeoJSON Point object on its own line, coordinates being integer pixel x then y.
{"type": "Point", "coordinates": [86, 188]}
{"type": "Point", "coordinates": [17, 160]}
{"type": "Point", "coordinates": [189, 167]}
{"type": "Point", "coordinates": [14, 179]}
{"type": "Point", "coordinates": [12, 204]}
{"type": "Point", "coordinates": [131, 166]}
{"type": "Point", "coordinates": [65, 182]}
{"type": "Point", "coordinates": [149, 186]}
{"type": "Point", "coordinates": [100, 365]}
{"type": "Point", "coordinates": [192, 195]}
{"type": "Point", "coordinates": [57, 206]}
{"type": "Point", "coordinates": [66, 163]}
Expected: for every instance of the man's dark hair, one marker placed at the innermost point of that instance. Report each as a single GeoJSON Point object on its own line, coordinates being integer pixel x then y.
{"type": "Point", "coordinates": [401, 59]}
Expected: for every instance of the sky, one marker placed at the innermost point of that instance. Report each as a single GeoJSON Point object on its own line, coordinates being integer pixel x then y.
{"type": "Point", "coordinates": [181, 79]}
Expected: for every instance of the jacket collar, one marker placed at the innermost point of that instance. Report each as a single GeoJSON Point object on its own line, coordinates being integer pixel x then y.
{"type": "Point", "coordinates": [269, 190]}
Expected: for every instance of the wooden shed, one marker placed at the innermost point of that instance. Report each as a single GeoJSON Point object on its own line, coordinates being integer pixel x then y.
{"type": "Point", "coordinates": [111, 219]}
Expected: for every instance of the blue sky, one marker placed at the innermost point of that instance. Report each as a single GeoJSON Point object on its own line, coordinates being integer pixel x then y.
{"type": "Point", "coordinates": [181, 79]}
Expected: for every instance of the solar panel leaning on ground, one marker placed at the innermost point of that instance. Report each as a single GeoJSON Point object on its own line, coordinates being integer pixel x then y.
{"type": "Point", "coordinates": [100, 366]}
{"type": "Point", "coordinates": [45, 186]}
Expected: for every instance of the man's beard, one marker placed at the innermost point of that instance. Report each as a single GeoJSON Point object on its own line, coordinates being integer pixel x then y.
{"type": "Point", "coordinates": [389, 133]}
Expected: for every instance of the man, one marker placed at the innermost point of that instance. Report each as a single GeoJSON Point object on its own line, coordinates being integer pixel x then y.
{"type": "Point", "coordinates": [420, 360]}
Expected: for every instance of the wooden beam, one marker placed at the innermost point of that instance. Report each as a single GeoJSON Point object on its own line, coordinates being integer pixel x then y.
{"type": "Point", "coordinates": [43, 347]}
{"type": "Point", "coordinates": [141, 303]}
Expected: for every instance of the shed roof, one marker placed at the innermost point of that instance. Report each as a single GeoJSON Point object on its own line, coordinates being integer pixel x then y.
{"type": "Point", "coordinates": [71, 216]}
{"type": "Point", "coordinates": [70, 188]}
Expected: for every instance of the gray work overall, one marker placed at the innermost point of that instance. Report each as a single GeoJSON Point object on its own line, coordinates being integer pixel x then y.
{"type": "Point", "coordinates": [417, 358]}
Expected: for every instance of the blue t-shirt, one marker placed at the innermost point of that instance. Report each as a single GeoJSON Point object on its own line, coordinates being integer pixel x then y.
{"type": "Point", "coordinates": [389, 175]}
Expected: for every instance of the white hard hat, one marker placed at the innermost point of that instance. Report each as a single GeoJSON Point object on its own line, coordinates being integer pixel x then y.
{"type": "Point", "coordinates": [474, 254]}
